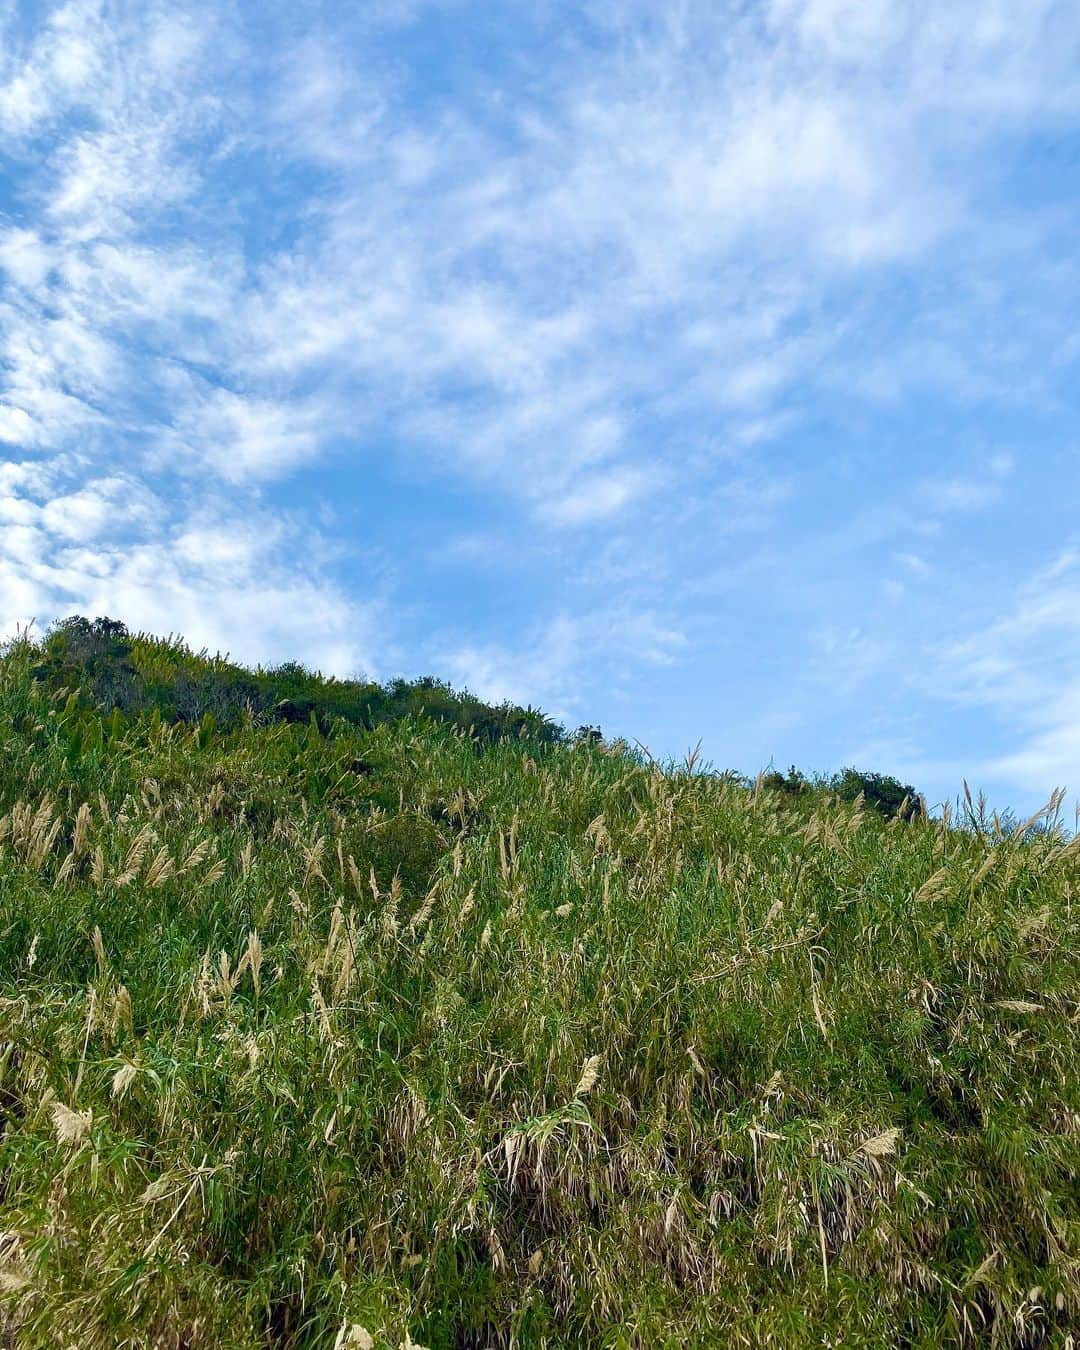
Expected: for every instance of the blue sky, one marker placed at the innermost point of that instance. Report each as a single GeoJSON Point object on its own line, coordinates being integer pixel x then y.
{"type": "Point", "coordinates": [703, 370]}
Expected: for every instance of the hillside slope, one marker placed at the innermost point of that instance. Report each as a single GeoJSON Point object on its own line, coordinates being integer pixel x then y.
{"type": "Point", "coordinates": [319, 1035]}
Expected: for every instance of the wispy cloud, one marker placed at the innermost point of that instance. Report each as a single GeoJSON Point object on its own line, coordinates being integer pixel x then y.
{"type": "Point", "coordinates": [1022, 668]}
{"type": "Point", "coordinates": [554, 664]}
{"type": "Point", "coordinates": [523, 285]}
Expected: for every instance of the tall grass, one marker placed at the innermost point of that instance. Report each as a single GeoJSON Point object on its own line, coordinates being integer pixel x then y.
{"type": "Point", "coordinates": [537, 1046]}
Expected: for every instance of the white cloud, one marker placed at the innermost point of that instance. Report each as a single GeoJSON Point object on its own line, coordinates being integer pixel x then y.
{"type": "Point", "coordinates": [914, 564]}
{"type": "Point", "coordinates": [265, 618]}
{"type": "Point", "coordinates": [845, 29]}
{"type": "Point", "coordinates": [100, 506]}
{"type": "Point", "coordinates": [253, 582]}
{"type": "Point", "coordinates": [1049, 758]}
{"type": "Point", "coordinates": [243, 438]}
{"type": "Point", "coordinates": [960, 494]}
{"type": "Point", "coordinates": [56, 68]}
{"type": "Point", "coordinates": [23, 101]}
{"type": "Point", "coordinates": [1024, 668]}
{"type": "Point", "coordinates": [24, 257]}
{"type": "Point", "coordinates": [557, 663]}
{"type": "Point", "coordinates": [248, 601]}
{"type": "Point", "coordinates": [17, 426]}
{"type": "Point", "coordinates": [101, 178]}
{"type": "Point", "coordinates": [56, 369]}
{"type": "Point", "coordinates": [596, 497]}
{"type": "Point", "coordinates": [508, 296]}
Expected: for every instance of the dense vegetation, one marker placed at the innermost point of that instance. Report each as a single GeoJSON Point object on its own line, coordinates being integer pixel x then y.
{"type": "Point", "coordinates": [881, 792]}
{"type": "Point", "coordinates": [341, 1025]}
{"type": "Point", "coordinates": [108, 668]}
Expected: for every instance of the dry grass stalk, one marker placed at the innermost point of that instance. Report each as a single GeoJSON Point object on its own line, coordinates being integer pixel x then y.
{"type": "Point", "coordinates": [214, 873]}
{"type": "Point", "coordinates": [81, 836]}
{"type": "Point", "coordinates": [122, 1015]}
{"type": "Point", "coordinates": [98, 944]}
{"type": "Point", "coordinates": [196, 856]}
{"type": "Point", "coordinates": [880, 1145]}
{"type": "Point", "coordinates": [590, 1073]}
{"type": "Point", "coordinates": [71, 1126]}
{"type": "Point", "coordinates": [354, 1335]}
{"type": "Point", "coordinates": [133, 861]}
{"type": "Point", "coordinates": [253, 957]}
{"type": "Point", "coordinates": [123, 1078]}
{"type": "Point", "coordinates": [161, 869]}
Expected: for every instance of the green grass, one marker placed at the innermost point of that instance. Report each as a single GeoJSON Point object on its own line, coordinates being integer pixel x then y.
{"type": "Point", "coordinates": [323, 1036]}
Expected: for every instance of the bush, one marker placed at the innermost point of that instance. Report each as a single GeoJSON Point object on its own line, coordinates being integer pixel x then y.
{"type": "Point", "coordinates": [793, 782]}
{"type": "Point", "coordinates": [886, 795]}
{"type": "Point", "coordinates": [114, 669]}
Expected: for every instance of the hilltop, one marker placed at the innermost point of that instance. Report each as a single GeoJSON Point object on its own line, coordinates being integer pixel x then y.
{"type": "Point", "coordinates": [343, 1014]}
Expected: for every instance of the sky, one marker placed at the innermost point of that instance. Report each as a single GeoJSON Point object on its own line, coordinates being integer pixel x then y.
{"type": "Point", "coordinates": [708, 371]}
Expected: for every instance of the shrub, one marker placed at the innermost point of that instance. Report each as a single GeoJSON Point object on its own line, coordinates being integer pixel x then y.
{"type": "Point", "coordinates": [114, 669]}
{"type": "Point", "coordinates": [886, 795]}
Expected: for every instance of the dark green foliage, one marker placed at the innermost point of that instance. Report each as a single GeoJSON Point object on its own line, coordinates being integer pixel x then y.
{"type": "Point", "coordinates": [886, 795]}
{"type": "Point", "coordinates": [792, 783]}
{"type": "Point", "coordinates": [136, 674]}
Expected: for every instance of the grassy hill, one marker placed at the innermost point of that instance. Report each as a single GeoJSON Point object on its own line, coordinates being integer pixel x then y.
{"type": "Point", "coordinates": [336, 1023]}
